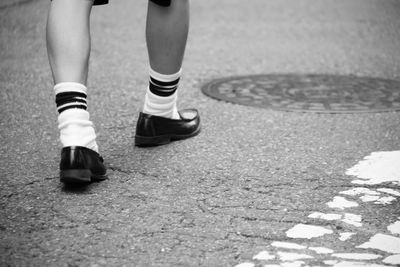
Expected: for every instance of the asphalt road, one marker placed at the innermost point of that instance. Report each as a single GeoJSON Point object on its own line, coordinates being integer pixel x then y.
{"type": "Point", "coordinates": [218, 199]}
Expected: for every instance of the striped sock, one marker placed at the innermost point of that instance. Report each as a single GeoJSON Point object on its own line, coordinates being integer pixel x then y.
{"type": "Point", "coordinates": [161, 95]}
{"type": "Point", "coordinates": [74, 123]}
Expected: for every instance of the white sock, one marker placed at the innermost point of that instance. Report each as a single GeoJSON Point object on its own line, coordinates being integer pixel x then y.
{"type": "Point", "coordinates": [74, 124]}
{"type": "Point", "coordinates": [161, 106]}
{"type": "Point", "coordinates": [161, 95]}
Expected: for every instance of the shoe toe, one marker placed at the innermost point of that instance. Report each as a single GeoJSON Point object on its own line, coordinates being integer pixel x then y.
{"type": "Point", "coordinates": [188, 114]}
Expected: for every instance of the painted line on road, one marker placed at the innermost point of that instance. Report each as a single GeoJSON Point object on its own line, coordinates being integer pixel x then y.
{"type": "Point", "coordinates": [377, 168]}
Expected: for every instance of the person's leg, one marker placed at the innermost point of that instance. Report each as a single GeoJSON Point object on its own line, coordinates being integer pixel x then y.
{"type": "Point", "coordinates": [68, 44]}
{"type": "Point", "coordinates": [68, 40]}
{"type": "Point", "coordinates": [166, 35]}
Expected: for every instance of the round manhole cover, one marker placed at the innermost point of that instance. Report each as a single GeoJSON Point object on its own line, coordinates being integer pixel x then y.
{"type": "Point", "coordinates": [308, 93]}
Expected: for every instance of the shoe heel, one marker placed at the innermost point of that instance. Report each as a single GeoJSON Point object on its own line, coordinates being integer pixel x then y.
{"type": "Point", "coordinates": [75, 176]}
{"type": "Point", "coordinates": [152, 141]}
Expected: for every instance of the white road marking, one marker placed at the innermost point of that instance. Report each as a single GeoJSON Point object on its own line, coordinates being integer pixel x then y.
{"type": "Point", "coordinates": [356, 264]}
{"type": "Point", "coordinates": [377, 168]}
{"type": "Point", "coordinates": [286, 264]}
{"type": "Point", "coordinates": [341, 203]}
{"type": "Point", "coordinates": [264, 256]}
{"type": "Point", "coordinates": [383, 242]}
{"type": "Point", "coordinates": [287, 245]}
{"type": "Point", "coordinates": [359, 191]}
{"type": "Point", "coordinates": [292, 264]}
{"type": "Point", "coordinates": [348, 218]}
{"type": "Point", "coordinates": [246, 264]}
{"type": "Point", "coordinates": [394, 228]}
{"type": "Point", "coordinates": [345, 236]}
{"type": "Point", "coordinates": [330, 262]}
{"type": "Point", "coordinates": [352, 219]}
{"type": "Point", "coordinates": [394, 260]}
{"type": "Point", "coordinates": [307, 231]}
{"type": "Point", "coordinates": [325, 216]}
{"type": "Point", "coordinates": [385, 200]}
{"type": "Point", "coordinates": [369, 198]}
{"type": "Point", "coordinates": [357, 256]}
{"type": "Point", "coordinates": [287, 256]}
{"type": "Point", "coordinates": [369, 195]}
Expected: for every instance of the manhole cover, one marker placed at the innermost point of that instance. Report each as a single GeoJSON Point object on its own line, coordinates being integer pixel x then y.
{"type": "Point", "coordinates": [308, 93]}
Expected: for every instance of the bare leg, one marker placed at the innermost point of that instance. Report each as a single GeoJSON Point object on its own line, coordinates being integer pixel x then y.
{"type": "Point", "coordinates": [68, 40]}
{"type": "Point", "coordinates": [68, 45]}
{"type": "Point", "coordinates": [166, 35]}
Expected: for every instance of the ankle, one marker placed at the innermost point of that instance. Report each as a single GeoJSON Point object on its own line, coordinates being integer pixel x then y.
{"type": "Point", "coordinates": [161, 95]}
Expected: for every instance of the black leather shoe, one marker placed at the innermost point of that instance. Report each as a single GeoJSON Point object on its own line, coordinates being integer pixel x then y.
{"type": "Point", "coordinates": [154, 130]}
{"type": "Point", "coordinates": [81, 165]}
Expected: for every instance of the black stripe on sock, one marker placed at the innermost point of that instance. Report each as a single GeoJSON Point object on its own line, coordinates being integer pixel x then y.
{"type": "Point", "coordinates": [72, 106]}
{"type": "Point", "coordinates": [71, 94]}
{"type": "Point", "coordinates": [160, 83]}
{"type": "Point", "coordinates": [161, 88]}
{"type": "Point", "coordinates": [162, 91]}
{"type": "Point", "coordinates": [78, 99]}
{"type": "Point", "coordinates": [66, 101]}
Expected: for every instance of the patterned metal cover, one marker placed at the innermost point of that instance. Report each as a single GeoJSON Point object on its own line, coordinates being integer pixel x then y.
{"type": "Point", "coordinates": [308, 92]}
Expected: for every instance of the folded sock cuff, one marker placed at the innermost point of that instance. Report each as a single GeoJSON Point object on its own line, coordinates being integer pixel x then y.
{"type": "Point", "coordinates": [73, 114]}
{"type": "Point", "coordinates": [76, 129]}
{"type": "Point", "coordinates": [70, 87]}
{"type": "Point", "coordinates": [165, 77]}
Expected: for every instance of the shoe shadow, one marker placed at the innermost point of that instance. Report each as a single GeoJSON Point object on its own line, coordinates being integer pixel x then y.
{"type": "Point", "coordinates": [75, 188]}
{"type": "Point", "coordinates": [80, 188]}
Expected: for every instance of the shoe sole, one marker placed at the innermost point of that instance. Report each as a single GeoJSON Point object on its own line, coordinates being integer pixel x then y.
{"type": "Point", "coordinates": [80, 176]}
{"type": "Point", "coordinates": [144, 141]}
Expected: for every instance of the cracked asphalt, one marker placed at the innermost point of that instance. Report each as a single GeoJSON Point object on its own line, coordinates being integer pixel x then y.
{"type": "Point", "coordinates": [213, 200]}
